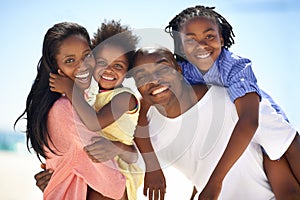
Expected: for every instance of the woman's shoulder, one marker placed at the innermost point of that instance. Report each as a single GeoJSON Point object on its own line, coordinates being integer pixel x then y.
{"type": "Point", "coordinates": [61, 105]}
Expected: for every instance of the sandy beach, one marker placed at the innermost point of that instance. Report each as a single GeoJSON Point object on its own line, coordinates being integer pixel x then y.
{"type": "Point", "coordinates": [17, 182]}
{"type": "Point", "coordinates": [16, 172]}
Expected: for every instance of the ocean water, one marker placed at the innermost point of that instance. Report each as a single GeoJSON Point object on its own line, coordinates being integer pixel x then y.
{"type": "Point", "coordinates": [17, 168]}
{"type": "Point", "coordinates": [12, 141]}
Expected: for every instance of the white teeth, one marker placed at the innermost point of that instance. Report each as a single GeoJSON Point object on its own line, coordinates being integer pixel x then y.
{"type": "Point", "coordinates": [202, 56]}
{"type": "Point", "coordinates": [107, 78]}
{"type": "Point", "coordinates": [82, 76]}
{"type": "Point", "coordinates": [159, 90]}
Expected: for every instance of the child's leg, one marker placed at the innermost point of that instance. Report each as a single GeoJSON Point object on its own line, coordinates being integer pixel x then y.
{"type": "Point", "coordinates": [292, 154]}
{"type": "Point", "coordinates": [282, 180]}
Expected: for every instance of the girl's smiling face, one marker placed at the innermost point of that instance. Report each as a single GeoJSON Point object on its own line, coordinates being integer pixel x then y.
{"type": "Point", "coordinates": [111, 66]}
{"type": "Point", "coordinates": [75, 60]}
{"type": "Point", "coordinates": [202, 42]}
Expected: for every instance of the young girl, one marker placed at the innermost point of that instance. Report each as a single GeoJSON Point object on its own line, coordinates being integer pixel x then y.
{"type": "Point", "coordinates": [56, 132]}
{"type": "Point", "coordinates": [117, 107]}
{"type": "Point", "coordinates": [202, 38]}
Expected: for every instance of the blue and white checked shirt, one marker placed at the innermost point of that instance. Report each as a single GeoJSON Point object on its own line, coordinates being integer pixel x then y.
{"type": "Point", "coordinates": [232, 72]}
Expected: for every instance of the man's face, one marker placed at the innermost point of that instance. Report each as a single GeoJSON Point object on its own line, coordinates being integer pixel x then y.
{"type": "Point", "coordinates": [157, 76]}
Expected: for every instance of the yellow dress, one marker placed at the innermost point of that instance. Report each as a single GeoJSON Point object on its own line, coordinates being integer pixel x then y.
{"type": "Point", "coordinates": [122, 130]}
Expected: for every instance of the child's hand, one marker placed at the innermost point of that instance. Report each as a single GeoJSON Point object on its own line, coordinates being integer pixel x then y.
{"type": "Point", "coordinates": [155, 185]}
{"type": "Point", "coordinates": [211, 191]}
{"type": "Point", "coordinates": [60, 83]}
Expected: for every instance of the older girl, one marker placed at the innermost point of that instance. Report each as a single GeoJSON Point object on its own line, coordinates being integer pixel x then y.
{"type": "Point", "coordinates": [202, 38]}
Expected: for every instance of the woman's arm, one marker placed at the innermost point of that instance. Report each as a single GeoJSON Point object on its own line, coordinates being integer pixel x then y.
{"type": "Point", "coordinates": [102, 150]}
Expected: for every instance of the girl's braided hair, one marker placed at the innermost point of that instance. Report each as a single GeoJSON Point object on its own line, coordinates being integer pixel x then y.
{"type": "Point", "coordinates": [178, 21]}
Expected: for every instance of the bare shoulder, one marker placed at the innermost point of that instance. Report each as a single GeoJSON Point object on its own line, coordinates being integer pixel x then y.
{"type": "Point", "coordinates": [200, 90]}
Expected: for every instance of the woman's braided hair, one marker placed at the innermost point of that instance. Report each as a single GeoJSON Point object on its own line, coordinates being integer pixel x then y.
{"type": "Point", "coordinates": [178, 21]}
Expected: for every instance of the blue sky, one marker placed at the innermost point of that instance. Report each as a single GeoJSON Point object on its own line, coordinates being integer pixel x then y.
{"type": "Point", "coordinates": [267, 32]}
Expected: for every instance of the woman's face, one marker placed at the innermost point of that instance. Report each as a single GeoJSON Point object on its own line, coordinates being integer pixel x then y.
{"type": "Point", "coordinates": [111, 66]}
{"type": "Point", "coordinates": [76, 61]}
{"type": "Point", "coordinates": [157, 77]}
{"type": "Point", "coordinates": [202, 42]}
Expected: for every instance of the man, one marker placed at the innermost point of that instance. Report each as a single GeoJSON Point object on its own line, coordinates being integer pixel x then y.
{"type": "Point", "coordinates": [190, 127]}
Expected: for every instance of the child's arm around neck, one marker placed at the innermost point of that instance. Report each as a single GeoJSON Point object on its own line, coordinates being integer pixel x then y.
{"type": "Point", "coordinates": [109, 113]}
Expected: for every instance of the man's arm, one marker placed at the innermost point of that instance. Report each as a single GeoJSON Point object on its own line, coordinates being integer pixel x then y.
{"type": "Point", "coordinates": [154, 183]}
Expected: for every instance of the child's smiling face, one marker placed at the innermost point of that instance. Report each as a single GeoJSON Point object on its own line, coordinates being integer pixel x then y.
{"type": "Point", "coordinates": [111, 66]}
{"type": "Point", "coordinates": [202, 42]}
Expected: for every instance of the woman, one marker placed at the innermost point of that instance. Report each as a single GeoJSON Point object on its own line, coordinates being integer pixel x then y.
{"type": "Point", "coordinates": [55, 131]}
